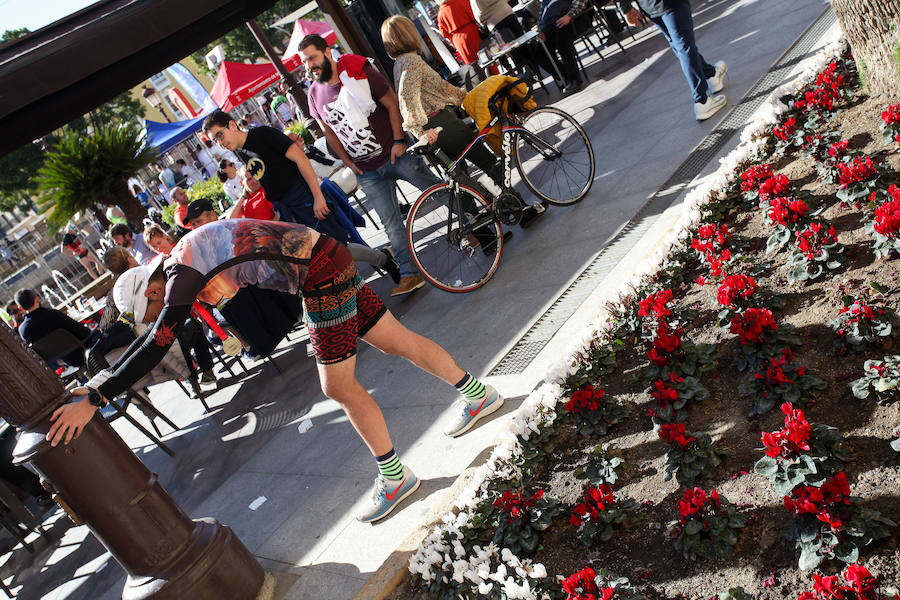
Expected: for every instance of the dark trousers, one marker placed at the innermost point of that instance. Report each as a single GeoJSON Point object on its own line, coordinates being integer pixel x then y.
{"type": "Point", "coordinates": [297, 206]}
{"type": "Point", "coordinates": [191, 338]}
{"type": "Point", "coordinates": [562, 48]}
{"type": "Point", "coordinates": [678, 27]}
{"type": "Point", "coordinates": [456, 136]}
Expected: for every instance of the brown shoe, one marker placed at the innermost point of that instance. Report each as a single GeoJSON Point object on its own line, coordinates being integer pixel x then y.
{"type": "Point", "coordinates": [407, 285]}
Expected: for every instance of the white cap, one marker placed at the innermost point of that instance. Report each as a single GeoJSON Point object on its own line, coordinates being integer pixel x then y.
{"type": "Point", "coordinates": [129, 293]}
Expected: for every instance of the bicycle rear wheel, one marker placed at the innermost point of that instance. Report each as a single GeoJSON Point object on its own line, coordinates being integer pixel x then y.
{"type": "Point", "coordinates": [554, 156]}
{"type": "Point", "coordinates": [451, 259]}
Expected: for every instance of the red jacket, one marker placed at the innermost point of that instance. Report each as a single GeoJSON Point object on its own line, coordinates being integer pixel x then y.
{"type": "Point", "coordinates": [457, 23]}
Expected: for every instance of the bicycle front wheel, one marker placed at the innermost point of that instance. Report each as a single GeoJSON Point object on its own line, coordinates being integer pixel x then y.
{"type": "Point", "coordinates": [453, 254]}
{"type": "Point", "coordinates": [554, 156]}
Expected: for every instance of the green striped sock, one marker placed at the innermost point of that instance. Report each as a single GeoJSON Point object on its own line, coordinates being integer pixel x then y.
{"type": "Point", "coordinates": [471, 388]}
{"type": "Point", "coordinates": [390, 466]}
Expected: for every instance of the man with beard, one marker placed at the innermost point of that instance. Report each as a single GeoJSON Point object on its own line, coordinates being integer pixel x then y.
{"type": "Point", "coordinates": [219, 258]}
{"type": "Point", "coordinates": [360, 115]}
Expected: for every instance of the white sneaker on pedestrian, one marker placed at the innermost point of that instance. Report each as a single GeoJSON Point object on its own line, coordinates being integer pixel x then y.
{"type": "Point", "coordinates": [704, 110]}
{"type": "Point", "coordinates": [717, 81]}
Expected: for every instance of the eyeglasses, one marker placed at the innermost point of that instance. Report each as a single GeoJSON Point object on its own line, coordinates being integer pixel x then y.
{"type": "Point", "coordinates": [229, 165]}
{"type": "Point", "coordinates": [219, 135]}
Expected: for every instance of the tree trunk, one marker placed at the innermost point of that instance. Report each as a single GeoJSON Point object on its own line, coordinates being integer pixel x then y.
{"type": "Point", "coordinates": [100, 216]}
{"type": "Point", "coordinates": [133, 210]}
{"type": "Point", "coordinates": [871, 27]}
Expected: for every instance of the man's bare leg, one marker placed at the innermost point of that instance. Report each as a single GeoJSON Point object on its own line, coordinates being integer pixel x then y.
{"type": "Point", "coordinates": [340, 384]}
{"type": "Point", "coordinates": [391, 337]}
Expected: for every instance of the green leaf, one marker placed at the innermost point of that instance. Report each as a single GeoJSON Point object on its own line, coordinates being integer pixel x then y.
{"type": "Point", "coordinates": [692, 527]}
{"type": "Point", "coordinates": [846, 552]}
{"type": "Point", "coordinates": [766, 466]}
{"type": "Point", "coordinates": [809, 559]}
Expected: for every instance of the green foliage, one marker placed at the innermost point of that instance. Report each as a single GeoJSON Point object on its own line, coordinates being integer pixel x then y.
{"type": "Point", "coordinates": [82, 170]}
{"type": "Point", "coordinates": [17, 171]}
{"type": "Point", "coordinates": [817, 540]}
{"type": "Point", "coordinates": [211, 189]}
{"type": "Point", "coordinates": [711, 532]}
{"type": "Point", "coordinates": [823, 459]}
{"type": "Point", "coordinates": [753, 355]}
{"type": "Point", "coordinates": [881, 376]}
{"type": "Point", "coordinates": [168, 214]}
{"type": "Point", "coordinates": [698, 460]}
{"type": "Point", "coordinates": [300, 128]}
{"type": "Point", "coordinates": [518, 521]}
{"type": "Point", "coordinates": [592, 413]}
{"type": "Point", "coordinates": [781, 381]}
{"type": "Point", "coordinates": [601, 467]}
{"type": "Point", "coordinates": [597, 361]}
{"type": "Point", "coordinates": [12, 34]}
{"type": "Point", "coordinates": [595, 516]}
{"type": "Point", "coordinates": [861, 321]}
{"type": "Point", "coordinates": [803, 268]}
{"type": "Point", "coordinates": [884, 244]}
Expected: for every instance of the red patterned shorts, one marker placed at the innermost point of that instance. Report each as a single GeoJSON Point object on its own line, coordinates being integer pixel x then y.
{"type": "Point", "coordinates": [339, 306]}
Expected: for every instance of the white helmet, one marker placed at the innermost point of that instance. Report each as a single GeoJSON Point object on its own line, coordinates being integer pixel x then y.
{"type": "Point", "coordinates": [129, 293]}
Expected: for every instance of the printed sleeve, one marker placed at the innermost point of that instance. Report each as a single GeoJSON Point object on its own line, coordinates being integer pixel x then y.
{"type": "Point", "coordinates": [146, 351]}
{"type": "Point", "coordinates": [409, 94]}
{"type": "Point", "coordinates": [378, 83]}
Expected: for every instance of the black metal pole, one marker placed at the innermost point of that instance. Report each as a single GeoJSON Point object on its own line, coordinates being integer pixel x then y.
{"type": "Point", "coordinates": [293, 86]}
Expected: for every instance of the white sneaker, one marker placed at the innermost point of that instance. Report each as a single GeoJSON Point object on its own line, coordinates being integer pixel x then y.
{"type": "Point", "coordinates": [704, 110]}
{"type": "Point", "coordinates": [716, 82]}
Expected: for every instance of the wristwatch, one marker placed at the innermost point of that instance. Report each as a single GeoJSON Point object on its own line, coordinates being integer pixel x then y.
{"type": "Point", "coordinates": [95, 398]}
{"type": "Point", "coordinates": [403, 141]}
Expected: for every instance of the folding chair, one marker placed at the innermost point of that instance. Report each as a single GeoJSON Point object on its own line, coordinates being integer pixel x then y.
{"type": "Point", "coordinates": [57, 344]}
{"type": "Point", "coordinates": [96, 362]}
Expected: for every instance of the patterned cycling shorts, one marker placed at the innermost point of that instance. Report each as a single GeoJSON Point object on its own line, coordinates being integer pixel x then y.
{"type": "Point", "coordinates": [339, 306]}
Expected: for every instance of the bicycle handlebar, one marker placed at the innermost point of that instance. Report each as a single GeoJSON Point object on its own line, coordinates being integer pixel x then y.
{"type": "Point", "coordinates": [423, 141]}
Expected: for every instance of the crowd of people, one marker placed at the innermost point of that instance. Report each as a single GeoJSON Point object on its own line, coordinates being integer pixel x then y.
{"type": "Point", "coordinates": [291, 235]}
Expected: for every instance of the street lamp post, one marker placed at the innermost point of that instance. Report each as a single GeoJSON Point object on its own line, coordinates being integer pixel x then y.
{"type": "Point", "coordinates": [100, 481]}
{"type": "Point", "coordinates": [153, 99]}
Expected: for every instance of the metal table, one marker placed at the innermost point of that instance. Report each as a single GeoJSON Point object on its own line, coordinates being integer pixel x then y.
{"type": "Point", "coordinates": [523, 40]}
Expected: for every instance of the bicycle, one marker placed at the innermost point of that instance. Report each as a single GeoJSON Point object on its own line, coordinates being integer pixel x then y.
{"type": "Point", "coordinates": [454, 228]}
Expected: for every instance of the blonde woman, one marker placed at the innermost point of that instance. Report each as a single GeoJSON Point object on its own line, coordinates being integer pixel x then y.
{"type": "Point", "coordinates": [427, 101]}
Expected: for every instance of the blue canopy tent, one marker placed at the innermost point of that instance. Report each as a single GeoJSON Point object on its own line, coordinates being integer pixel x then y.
{"type": "Point", "coordinates": [163, 136]}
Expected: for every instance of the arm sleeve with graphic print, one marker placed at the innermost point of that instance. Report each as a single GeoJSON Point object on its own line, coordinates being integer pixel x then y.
{"type": "Point", "coordinates": [146, 351]}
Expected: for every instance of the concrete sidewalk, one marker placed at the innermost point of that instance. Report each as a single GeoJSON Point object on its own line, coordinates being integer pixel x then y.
{"type": "Point", "coordinates": [638, 114]}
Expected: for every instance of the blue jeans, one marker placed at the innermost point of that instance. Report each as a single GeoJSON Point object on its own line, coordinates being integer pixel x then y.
{"type": "Point", "coordinates": [678, 27]}
{"type": "Point", "coordinates": [380, 189]}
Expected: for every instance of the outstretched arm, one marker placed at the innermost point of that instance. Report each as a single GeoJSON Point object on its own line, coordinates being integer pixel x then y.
{"type": "Point", "coordinates": [144, 354]}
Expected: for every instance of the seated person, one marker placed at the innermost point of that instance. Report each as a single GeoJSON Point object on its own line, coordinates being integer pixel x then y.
{"type": "Point", "coordinates": [40, 321]}
{"type": "Point", "coordinates": [122, 236]}
{"type": "Point", "coordinates": [253, 203]}
{"type": "Point", "coordinates": [159, 240]}
{"type": "Point", "coordinates": [16, 315]}
{"type": "Point", "coordinates": [140, 302]}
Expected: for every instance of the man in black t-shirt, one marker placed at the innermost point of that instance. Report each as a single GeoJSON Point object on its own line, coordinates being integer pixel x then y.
{"type": "Point", "coordinates": [290, 182]}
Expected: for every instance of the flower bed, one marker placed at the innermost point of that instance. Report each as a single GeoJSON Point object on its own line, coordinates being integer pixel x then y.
{"type": "Point", "coordinates": [768, 296]}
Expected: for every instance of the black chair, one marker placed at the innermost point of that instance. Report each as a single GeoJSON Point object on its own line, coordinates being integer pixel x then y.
{"type": "Point", "coordinates": [57, 344]}
{"type": "Point", "coordinates": [96, 362]}
{"type": "Point", "coordinates": [588, 23]}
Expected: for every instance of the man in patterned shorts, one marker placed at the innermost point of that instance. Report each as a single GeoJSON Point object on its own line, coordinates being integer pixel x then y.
{"type": "Point", "coordinates": [218, 258]}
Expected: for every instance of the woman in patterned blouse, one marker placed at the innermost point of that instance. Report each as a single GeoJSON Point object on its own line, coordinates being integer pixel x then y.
{"type": "Point", "coordinates": [426, 100]}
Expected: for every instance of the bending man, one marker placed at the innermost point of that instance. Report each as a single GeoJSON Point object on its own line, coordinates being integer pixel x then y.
{"type": "Point", "coordinates": [217, 259]}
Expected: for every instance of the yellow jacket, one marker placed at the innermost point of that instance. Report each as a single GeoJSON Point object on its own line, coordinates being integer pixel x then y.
{"type": "Point", "coordinates": [476, 104]}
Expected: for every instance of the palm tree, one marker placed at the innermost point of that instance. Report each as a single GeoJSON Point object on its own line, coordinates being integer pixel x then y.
{"type": "Point", "coordinates": [81, 170]}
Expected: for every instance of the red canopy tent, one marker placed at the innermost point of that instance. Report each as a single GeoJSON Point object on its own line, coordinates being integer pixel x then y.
{"type": "Point", "coordinates": [238, 82]}
{"type": "Point", "coordinates": [303, 28]}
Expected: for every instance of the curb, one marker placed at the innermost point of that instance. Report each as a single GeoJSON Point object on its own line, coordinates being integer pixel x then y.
{"type": "Point", "coordinates": [393, 571]}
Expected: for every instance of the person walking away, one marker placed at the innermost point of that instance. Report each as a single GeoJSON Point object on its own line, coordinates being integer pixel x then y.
{"type": "Point", "coordinates": [360, 115]}
{"type": "Point", "coordinates": [673, 18]}
{"type": "Point", "coordinates": [426, 100]}
{"type": "Point", "coordinates": [74, 245]}
{"type": "Point", "coordinates": [554, 19]}
{"type": "Point", "coordinates": [291, 185]}
{"type": "Point", "coordinates": [215, 260]}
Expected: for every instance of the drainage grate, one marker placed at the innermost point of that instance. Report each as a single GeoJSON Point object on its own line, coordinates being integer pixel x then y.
{"type": "Point", "coordinates": [541, 332]}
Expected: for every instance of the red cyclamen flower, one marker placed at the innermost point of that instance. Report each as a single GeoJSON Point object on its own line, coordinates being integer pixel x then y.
{"type": "Point", "coordinates": [752, 323]}
{"type": "Point", "coordinates": [675, 435]}
{"type": "Point", "coordinates": [891, 116]}
{"type": "Point", "coordinates": [585, 399]}
{"type": "Point", "coordinates": [735, 287]}
{"type": "Point", "coordinates": [784, 130]}
{"type": "Point", "coordinates": [857, 170]}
